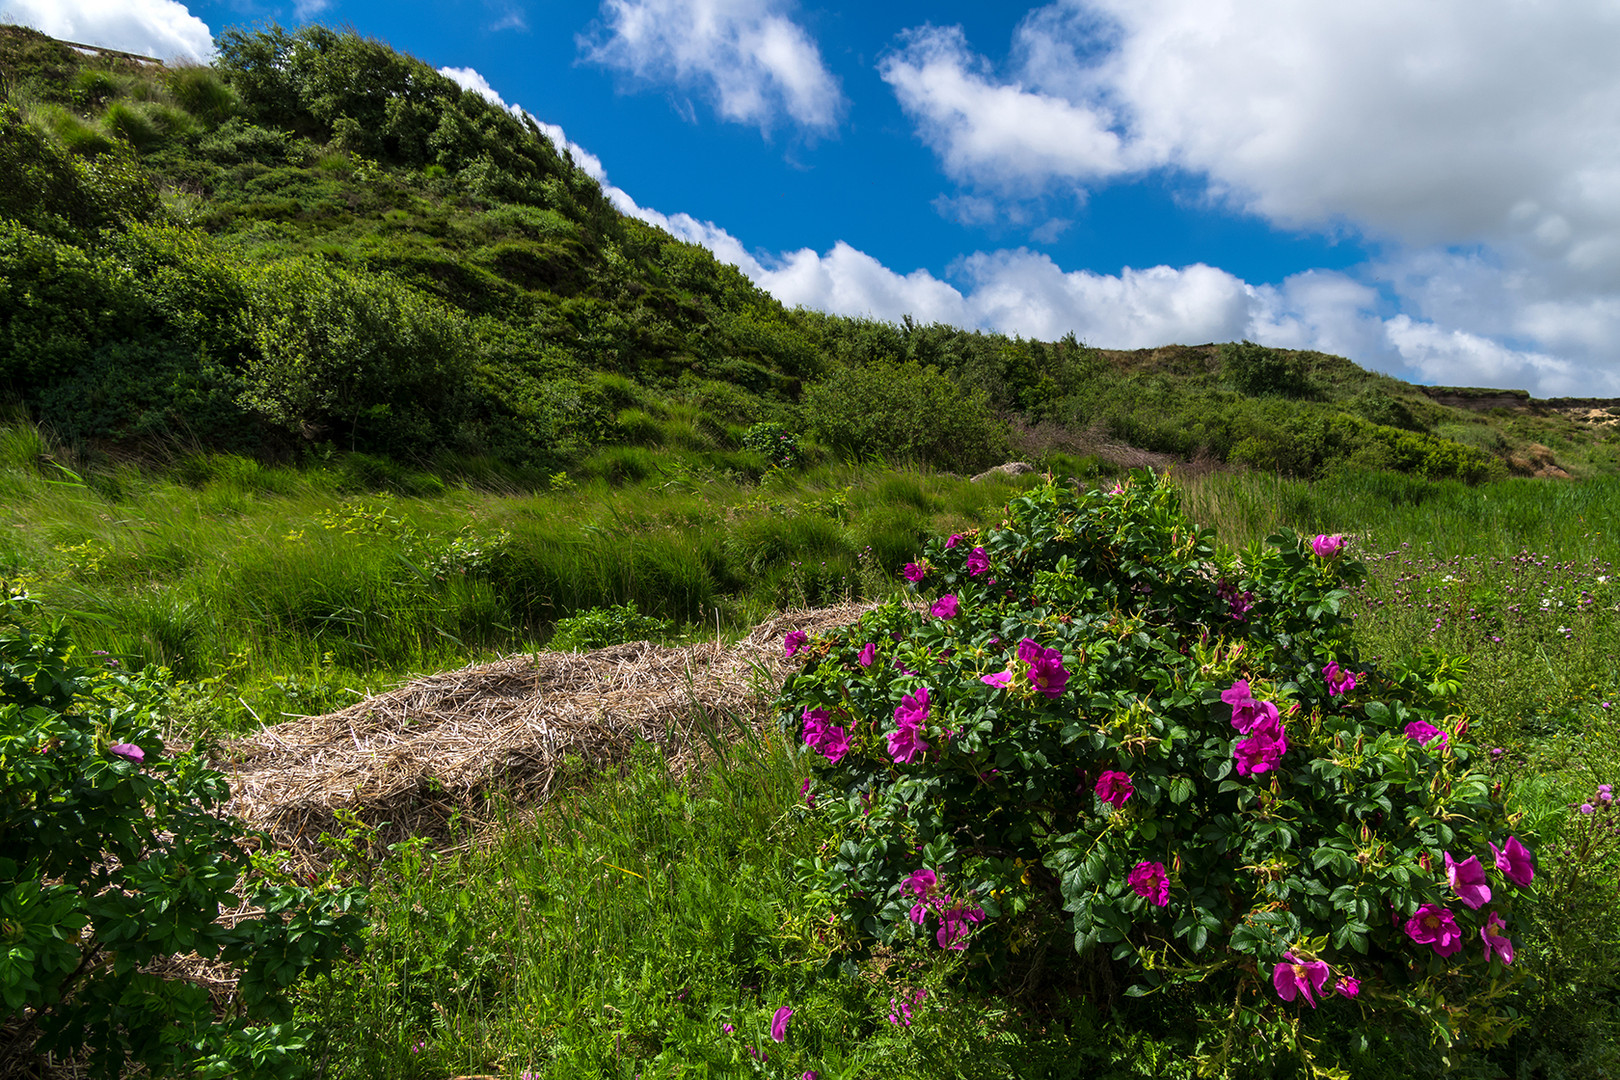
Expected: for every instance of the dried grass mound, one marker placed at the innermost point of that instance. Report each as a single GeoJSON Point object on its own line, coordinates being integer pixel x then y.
{"type": "Point", "coordinates": [406, 761]}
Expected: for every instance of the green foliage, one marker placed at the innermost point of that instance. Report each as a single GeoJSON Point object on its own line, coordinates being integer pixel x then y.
{"type": "Point", "coordinates": [905, 413]}
{"type": "Point", "coordinates": [775, 442]}
{"type": "Point", "coordinates": [1258, 370]}
{"type": "Point", "coordinates": [603, 626]}
{"type": "Point", "coordinates": [1122, 642]}
{"type": "Point", "coordinates": [113, 855]}
{"type": "Point", "coordinates": [55, 192]}
{"type": "Point", "coordinates": [353, 355]}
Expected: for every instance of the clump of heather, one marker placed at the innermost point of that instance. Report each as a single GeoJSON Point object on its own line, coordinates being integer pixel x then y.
{"type": "Point", "coordinates": [1094, 728]}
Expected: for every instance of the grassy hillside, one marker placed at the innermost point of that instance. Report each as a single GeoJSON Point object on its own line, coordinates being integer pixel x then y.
{"type": "Point", "coordinates": [319, 246]}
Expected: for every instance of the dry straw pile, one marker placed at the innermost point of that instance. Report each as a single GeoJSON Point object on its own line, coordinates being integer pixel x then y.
{"type": "Point", "coordinates": [407, 761]}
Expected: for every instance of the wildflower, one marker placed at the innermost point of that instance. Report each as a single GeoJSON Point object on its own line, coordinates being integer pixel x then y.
{"type": "Point", "coordinates": [727, 1028]}
{"type": "Point", "coordinates": [1000, 679]}
{"type": "Point", "coordinates": [1339, 681]}
{"type": "Point", "coordinates": [1587, 808]}
{"type": "Point", "coordinates": [1261, 751]}
{"type": "Point", "coordinates": [1605, 793]}
{"type": "Point", "coordinates": [1498, 946]}
{"type": "Point", "coordinates": [1424, 733]}
{"type": "Point", "coordinates": [945, 607]}
{"type": "Point", "coordinates": [868, 654]}
{"type": "Point", "coordinates": [1434, 926]}
{"type": "Point", "coordinates": [1294, 976]}
{"type": "Point", "coordinates": [1497, 751]}
{"type": "Point", "coordinates": [906, 742]}
{"type": "Point", "coordinates": [1148, 880]}
{"type": "Point", "coordinates": [804, 790]}
{"type": "Point", "coordinates": [955, 539]}
{"type": "Point", "coordinates": [1326, 547]}
{"type": "Point", "coordinates": [1046, 669]}
{"type": "Point", "coordinates": [977, 562]}
{"type": "Point", "coordinates": [1467, 880]}
{"type": "Point", "coordinates": [128, 750]}
{"type": "Point", "coordinates": [913, 573]}
{"type": "Point", "coordinates": [1114, 787]}
{"type": "Point", "coordinates": [795, 641]}
{"type": "Point", "coordinates": [955, 924]}
{"type": "Point", "coordinates": [779, 1023]}
{"type": "Point", "coordinates": [1347, 986]}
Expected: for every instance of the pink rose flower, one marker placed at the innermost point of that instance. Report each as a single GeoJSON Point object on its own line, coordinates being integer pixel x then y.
{"type": "Point", "coordinates": [1294, 977]}
{"type": "Point", "coordinates": [1114, 787]}
{"type": "Point", "coordinates": [1148, 880]}
{"type": "Point", "coordinates": [1467, 880]}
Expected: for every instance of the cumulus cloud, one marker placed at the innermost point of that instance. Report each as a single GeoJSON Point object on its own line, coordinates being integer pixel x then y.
{"type": "Point", "coordinates": [747, 57]}
{"type": "Point", "coordinates": [991, 132]}
{"type": "Point", "coordinates": [163, 29]}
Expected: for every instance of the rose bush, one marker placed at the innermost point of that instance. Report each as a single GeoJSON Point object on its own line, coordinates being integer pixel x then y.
{"type": "Point", "coordinates": [1098, 742]}
{"type": "Point", "coordinates": [114, 859]}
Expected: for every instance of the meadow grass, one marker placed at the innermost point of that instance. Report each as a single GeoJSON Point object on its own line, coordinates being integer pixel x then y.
{"type": "Point", "coordinates": [616, 930]}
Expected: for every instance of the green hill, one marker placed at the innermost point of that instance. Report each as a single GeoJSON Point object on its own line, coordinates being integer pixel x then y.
{"type": "Point", "coordinates": [319, 245]}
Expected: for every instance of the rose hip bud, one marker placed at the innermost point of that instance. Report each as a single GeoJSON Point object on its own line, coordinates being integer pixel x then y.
{"type": "Point", "coordinates": [1462, 728]}
{"type": "Point", "coordinates": [1423, 861]}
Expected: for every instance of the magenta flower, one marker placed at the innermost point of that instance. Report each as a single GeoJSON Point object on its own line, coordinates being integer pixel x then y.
{"type": "Point", "coordinates": [779, 1023]}
{"type": "Point", "coordinates": [819, 735]}
{"type": "Point", "coordinates": [1148, 881]}
{"type": "Point", "coordinates": [955, 924]}
{"type": "Point", "coordinates": [1467, 880]}
{"type": "Point", "coordinates": [1347, 987]}
{"type": "Point", "coordinates": [795, 641]}
{"type": "Point", "coordinates": [977, 562]}
{"type": "Point", "coordinates": [1247, 713]}
{"type": "Point", "coordinates": [804, 789]}
{"type": "Point", "coordinates": [1260, 752]}
{"type": "Point", "coordinates": [945, 607]}
{"type": "Point", "coordinates": [905, 743]}
{"type": "Point", "coordinates": [920, 882]}
{"type": "Point", "coordinates": [1327, 547]}
{"type": "Point", "coordinates": [1424, 733]}
{"type": "Point", "coordinates": [1434, 926]}
{"type": "Point", "coordinates": [1046, 669]}
{"type": "Point", "coordinates": [1294, 977]}
{"type": "Point", "coordinates": [914, 573]}
{"type": "Point", "coordinates": [1339, 681]}
{"type": "Point", "coordinates": [914, 704]}
{"type": "Point", "coordinates": [127, 750]}
{"type": "Point", "coordinates": [1114, 787]}
{"type": "Point", "coordinates": [1000, 679]}
{"type": "Point", "coordinates": [868, 654]}
{"type": "Point", "coordinates": [955, 539]}
{"type": "Point", "coordinates": [727, 1028]}
{"type": "Point", "coordinates": [1498, 946]}
{"type": "Point", "coordinates": [1513, 860]}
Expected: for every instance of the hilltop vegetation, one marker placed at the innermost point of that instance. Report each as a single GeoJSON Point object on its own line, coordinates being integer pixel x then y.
{"type": "Point", "coordinates": [318, 245]}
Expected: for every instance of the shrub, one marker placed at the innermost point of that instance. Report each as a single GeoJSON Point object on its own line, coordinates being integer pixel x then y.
{"type": "Point", "coordinates": [778, 445]}
{"type": "Point", "coordinates": [1109, 730]}
{"type": "Point", "coordinates": [906, 412]}
{"type": "Point", "coordinates": [114, 858]}
{"type": "Point", "coordinates": [601, 627]}
{"type": "Point", "coordinates": [1257, 370]}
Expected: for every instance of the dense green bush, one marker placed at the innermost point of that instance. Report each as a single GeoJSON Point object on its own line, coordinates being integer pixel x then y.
{"type": "Point", "coordinates": [1104, 728]}
{"type": "Point", "coordinates": [906, 413]}
{"type": "Point", "coordinates": [1258, 370]}
{"type": "Point", "coordinates": [354, 357]}
{"type": "Point", "coordinates": [114, 857]}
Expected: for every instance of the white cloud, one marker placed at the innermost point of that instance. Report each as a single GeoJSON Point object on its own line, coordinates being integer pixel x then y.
{"type": "Point", "coordinates": [163, 29]}
{"type": "Point", "coordinates": [998, 134]}
{"type": "Point", "coordinates": [753, 62]}
{"type": "Point", "coordinates": [308, 9]}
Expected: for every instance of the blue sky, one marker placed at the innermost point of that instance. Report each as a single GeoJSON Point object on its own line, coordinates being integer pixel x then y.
{"type": "Point", "coordinates": [1431, 189]}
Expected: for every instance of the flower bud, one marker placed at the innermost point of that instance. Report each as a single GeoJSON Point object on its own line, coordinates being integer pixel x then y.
{"type": "Point", "coordinates": [1423, 861]}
